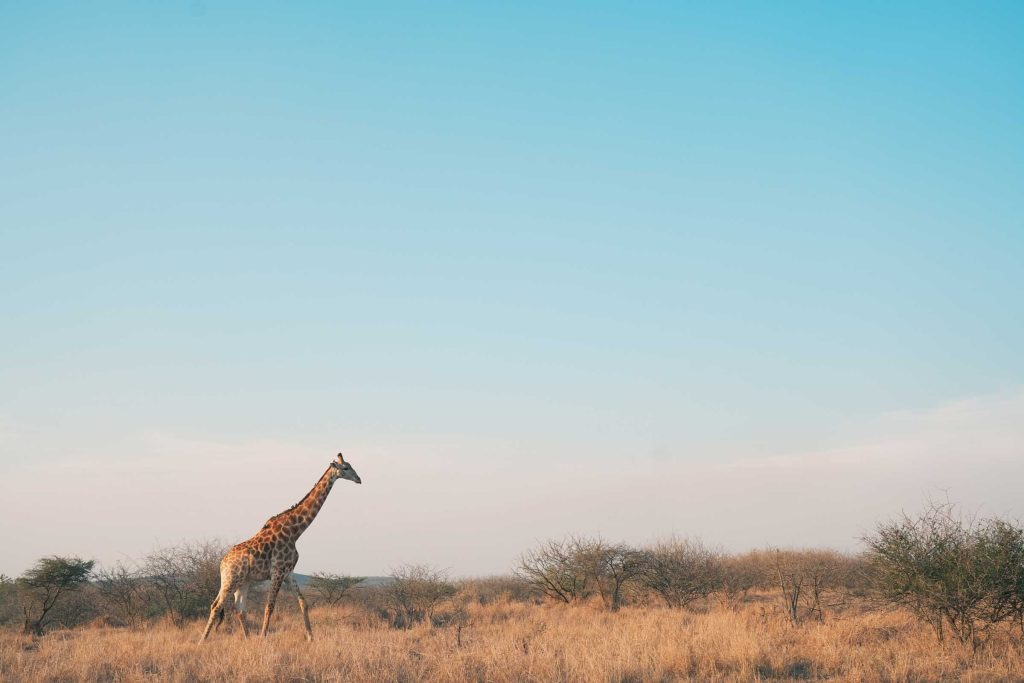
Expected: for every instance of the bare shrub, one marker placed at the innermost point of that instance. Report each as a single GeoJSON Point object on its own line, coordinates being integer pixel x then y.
{"type": "Point", "coordinates": [415, 593]}
{"type": "Point", "coordinates": [953, 571]}
{"type": "Point", "coordinates": [562, 570]}
{"type": "Point", "coordinates": [489, 589]}
{"type": "Point", "coordinates": [185, 578]}
{"type": "Point", "coordinates": [740, 574]}
{"type": "Point", "coordinates": [122, 591]}
{"type": "Point", "coordinates": [853, 577]}
{"type": "Point", "coordinates": [681, 571]}
{"type": "Point", "coordinates": [372, 601]}
{"type": "Point", "coordinates": [615, 567]}
{"type": "Point", "coordinates": [805, 577]}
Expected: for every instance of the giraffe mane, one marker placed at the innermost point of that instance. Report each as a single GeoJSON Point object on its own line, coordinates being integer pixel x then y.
{"type": "Point", "coordinates": [304, 498]}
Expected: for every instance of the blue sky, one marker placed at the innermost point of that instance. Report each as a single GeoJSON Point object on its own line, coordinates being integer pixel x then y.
{"type": "Point", "coordinates": [484, 244]}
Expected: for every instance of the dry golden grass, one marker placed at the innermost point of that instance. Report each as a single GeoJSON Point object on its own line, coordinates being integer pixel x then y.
{"type": "Point", "coordinates": [520, 642]}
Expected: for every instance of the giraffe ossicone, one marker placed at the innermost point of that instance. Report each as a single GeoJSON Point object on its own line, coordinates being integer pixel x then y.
{"type": "Point", "coordinates": [270, 555]}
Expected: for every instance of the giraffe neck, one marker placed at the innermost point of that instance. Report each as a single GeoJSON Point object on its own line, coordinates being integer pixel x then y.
{"type": "Point", "coordinates": [297, 519]}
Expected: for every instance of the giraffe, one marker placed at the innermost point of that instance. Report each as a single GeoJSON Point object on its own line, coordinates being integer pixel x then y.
{"type": "Point", "coordinates": [271, 555]}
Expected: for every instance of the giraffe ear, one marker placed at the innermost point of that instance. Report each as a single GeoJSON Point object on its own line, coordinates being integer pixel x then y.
{"type": "Point", "coordinates": [341, 460]}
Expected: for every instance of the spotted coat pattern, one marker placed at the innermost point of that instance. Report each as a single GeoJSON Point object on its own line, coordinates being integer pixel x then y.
{"type": "Point", "coordinates": [270, 555]}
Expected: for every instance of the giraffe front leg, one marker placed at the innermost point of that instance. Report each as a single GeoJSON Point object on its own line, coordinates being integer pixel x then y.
{"type": "Point", "coordinates": [275, 586]}
{"type": "Point", "coordinates": [294, 585]}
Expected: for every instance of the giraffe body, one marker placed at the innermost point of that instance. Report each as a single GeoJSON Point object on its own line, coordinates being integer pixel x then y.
{"type": "Point", "coordinates": [270, 555]}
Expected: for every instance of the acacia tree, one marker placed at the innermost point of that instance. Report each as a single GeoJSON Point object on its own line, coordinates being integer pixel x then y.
{"type": "Point", "coordinates": [332, 588]}
{"type": "Point", "coordinates": [44, 584]}
{"type": "Point", "coordinates": [956, 572]}
{"type": "Point", "coordinates": [1001, 547]}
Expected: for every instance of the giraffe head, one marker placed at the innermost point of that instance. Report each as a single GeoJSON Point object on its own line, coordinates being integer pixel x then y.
{"type": "Point", "coordinates": [342, 470]}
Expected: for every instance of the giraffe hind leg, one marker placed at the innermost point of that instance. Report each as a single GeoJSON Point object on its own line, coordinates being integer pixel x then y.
{"type": "Point", "coordinates": [219, 620]}
{"type": "Point", "coordinates": [227, 585]}
{"type": "Point", "coordinates": [216, 613]}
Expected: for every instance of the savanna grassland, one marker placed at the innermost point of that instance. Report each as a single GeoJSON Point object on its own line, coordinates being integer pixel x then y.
{"type": "Point", "coordinates": [933, 597]}
{"type": "Point", "coordinates": [506, 641]}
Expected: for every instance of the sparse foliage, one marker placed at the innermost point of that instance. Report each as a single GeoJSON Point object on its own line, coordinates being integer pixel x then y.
{"type": "Point", "coordinates": [616, 567]}
{"type": "Point", "coordinates": [956, 572]}
{"type": "Point", "coordinates": [804, 577]}
{"type": "Point", "coordinates": [415, 593]}
{"type": "Point", "coordinates": [489, 589]}
{"type": "Point", "coordinates": [680, 571]}
{"type": "Point", "coordinates": [122, 589]}
{"type": "Point", "coordinates": [562, 570]}
{"type": "Point", "coordinates": [184, 578]}
{"type": "Point", "coordinates": [740, 574]}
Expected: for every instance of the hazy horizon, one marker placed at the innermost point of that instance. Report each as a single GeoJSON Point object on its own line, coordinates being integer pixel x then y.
{"type": "Point", "coordinates": [751, 274]}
